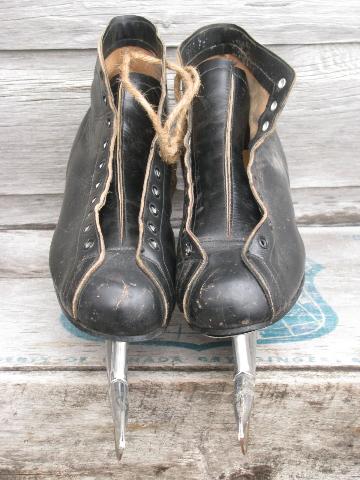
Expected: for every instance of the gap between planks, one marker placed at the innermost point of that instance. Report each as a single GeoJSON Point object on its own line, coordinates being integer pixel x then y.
{"type": "Point", "coordinates": [189, 368]}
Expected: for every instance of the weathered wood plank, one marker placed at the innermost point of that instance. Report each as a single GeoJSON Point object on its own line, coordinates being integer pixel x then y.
{"type": "Point", "coordinates": [25, 251]}
{"type": "Point", "coordinates": [30, 211]}
{"type": "Point", "coordinates": [45, 94]}
{"type": "Point", "coordinates": [181, 425]}
{"type": "Point", "coordinates": [313, 206]}
{"type": "Point", "coordinates": [44, 25]}
{"type": "Point", "coordinates": [321, 331]}
{"type": "Point", "coordinates": [327, 206]}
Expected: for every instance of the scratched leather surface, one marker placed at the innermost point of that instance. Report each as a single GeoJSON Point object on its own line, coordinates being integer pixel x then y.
{"type": "Point", "coordinates": [231, 283]}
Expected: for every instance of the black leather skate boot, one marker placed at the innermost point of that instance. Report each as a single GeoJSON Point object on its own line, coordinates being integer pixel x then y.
{"type": "Point", "coordinates": [112, 257]}
{"type": "Point", "coordinates": [240, 263]}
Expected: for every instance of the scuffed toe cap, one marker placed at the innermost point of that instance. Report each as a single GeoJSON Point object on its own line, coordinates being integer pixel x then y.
{"type": "Point", "coordinates": [120, 301]}
{"type": "Point", "coordinates": [227, 299]}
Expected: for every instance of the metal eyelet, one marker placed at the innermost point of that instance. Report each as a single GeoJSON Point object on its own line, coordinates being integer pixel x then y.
{"type": "Point", "coordinates": [88, 244]}
{"type": "Point", "coordinates": [188, 249]}
{"type": "Point", "coordinates": [87, 228]}
{"type": "Point", "coordinates": [108, 122]}
{"type": "Point", "coordinates": [157, 172]}
{"type": "Point", "coordinates": [273, 106]}
{"type": "Point", "coordinates": [101, 165]}
{"type": "Point", "coordinates": [153, 244]}
{"type": "Point", "coordinates": [282, 83]}
{"type": "Point", "coordinates": [97, 185]}
{"type": "Point", "coordinates": [263, 242]}
{"type": "Point", "coordinates": [93, 200]}
{"type": "Point", "coordinates": [105, 144]}
{"type": "Point", "coordinates": [155, 191]}
{"type": "Point", "coordinates": [265, 126]}
{"type": "Point", "coordinates": [104, 99]}
{"type": "Point", "coordinates": [153, 209]}
{"type": "Point", "coordinates": [152, 227]}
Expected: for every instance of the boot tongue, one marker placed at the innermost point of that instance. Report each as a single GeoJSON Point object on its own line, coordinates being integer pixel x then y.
{"type": "Point", "coordinates": [220, 132]}
{"type": "Point", "coordinates": [131, 30]}
{"type": "Point", "coordinates": [114, 84]}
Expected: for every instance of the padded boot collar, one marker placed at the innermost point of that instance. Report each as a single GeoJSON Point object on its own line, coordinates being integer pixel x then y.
{"type": "Point", "coordinates": [127, 31]}
{"type": "Point", "coordinates": [270, 71]}
{"type": "Point", "coordinates": [131, 31]}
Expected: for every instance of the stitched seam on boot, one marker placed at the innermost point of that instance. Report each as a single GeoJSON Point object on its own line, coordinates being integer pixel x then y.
{"type": "Point", "coordinates": [139, 259]}
{"type": "Point", "coordinates": [71, 277]}
{"type": "Point", "coordinates": [119, 163]}
{"type": "Point", "coordinates": [149, 164]}
{"type": "Point", "coordinates": [190, 192]}
{"type": "Point", "coordinates": [104, 193]}
{"type": "Point", "coordinates": [262, 205]}
{"type": "Point", "coordinates": [228, 158]}
{"type": "Point", "coordinates": [166, 273]}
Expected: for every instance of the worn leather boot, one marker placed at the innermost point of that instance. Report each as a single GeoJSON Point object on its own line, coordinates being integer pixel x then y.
{"type": "Point", "coordinates": [240, 261]}
{"type": "Point", "coordinates": [240, 255]}
{"type": "Point", "coordinates": [112, 256]}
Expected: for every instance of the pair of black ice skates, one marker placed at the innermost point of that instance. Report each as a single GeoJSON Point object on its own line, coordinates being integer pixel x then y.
{"type": "Point", "coordinates": [239, 264]}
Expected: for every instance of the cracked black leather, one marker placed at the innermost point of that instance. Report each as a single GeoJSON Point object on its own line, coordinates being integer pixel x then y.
{"type": "Point", "coordinates": [240, 259]}
{"type": "Point", "coordinates": [127, 296]}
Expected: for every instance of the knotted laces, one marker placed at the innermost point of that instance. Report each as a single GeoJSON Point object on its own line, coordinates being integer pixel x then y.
{"type": "Point", "coordinates": [171, 133]}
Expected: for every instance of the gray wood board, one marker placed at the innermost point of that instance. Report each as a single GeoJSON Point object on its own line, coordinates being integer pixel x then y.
{"type": "Point", "coordinates": [48, 25]}
{"type": "Point", "coordinates": [45, 94]}
{"type": "Point", "coordinates": [321, 331]}
{"type": "Point", "coordinates": [181, 426]}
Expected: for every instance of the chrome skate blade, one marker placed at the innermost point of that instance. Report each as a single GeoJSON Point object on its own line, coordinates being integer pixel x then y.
{"type": "Point", "coordinates": [244, 383]}
{"type": "Point", "coordinates": [116, 359]}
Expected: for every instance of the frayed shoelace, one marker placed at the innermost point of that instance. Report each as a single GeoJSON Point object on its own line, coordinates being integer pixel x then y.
{"type": "Point", "coordinates": [171, 133]}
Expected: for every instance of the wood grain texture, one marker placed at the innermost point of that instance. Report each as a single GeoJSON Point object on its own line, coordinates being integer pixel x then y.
{"type": "Point", "coordinates": [45, 94]}
{"type": "Point", "coordinates": [49, 25]}
{"type": "Point", "coordinates": [36, 335]}
{"type": "Point", "coordinates": [30, 211]}
{"type": "Point", "coordinates": [181, 426]}
{"type": "Point", "coordinates": [327, 206]}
